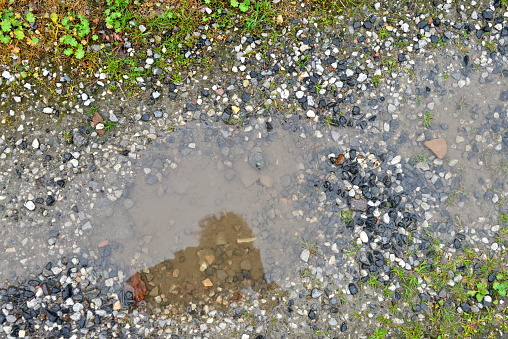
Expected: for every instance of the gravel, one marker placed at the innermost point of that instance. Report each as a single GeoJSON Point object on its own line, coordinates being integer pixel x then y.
{"type": "Point", "coordinates": [358, 94]}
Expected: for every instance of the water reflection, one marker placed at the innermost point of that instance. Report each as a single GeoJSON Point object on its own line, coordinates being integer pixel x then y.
{"type": "Point", "coordinates": [223, 264]}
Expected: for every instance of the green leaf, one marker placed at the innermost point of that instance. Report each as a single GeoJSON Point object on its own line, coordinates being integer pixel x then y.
{"type": "Point", "coordinates": [34, 40]}
{"type": "Point", "coordinates": [244, 6]}
{"type": "Point", "coordinates": [471, 292]}
{"type": "Point", "coordinates": [234, 3]}
{"type": "Point", "coordinates": [19, 34]}
{"type": "Point", "coordinates": [5, 38]}
{"type": "Point", "coordinates": [80, 53]}
{"type": "Point", "coordinates": [6, 26]}
{"type": "Point", "coordinates": [69, 40]}
{"type": "Point", "coordinates": [24, 75]}
{"type": "Point", "coordinates": [95, 37]}
{"type": "Point", "coordinates": [30, 17]}
{"type": "Point", "coordinates": [68, 51]}
{"type": "Point", "coordinates": [479, 297]}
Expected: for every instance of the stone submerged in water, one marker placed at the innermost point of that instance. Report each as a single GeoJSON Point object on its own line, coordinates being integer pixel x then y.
{"type": "Point", "coordinates": [437, 146]}
{"type": "Point", "coordinates": [256, 160]}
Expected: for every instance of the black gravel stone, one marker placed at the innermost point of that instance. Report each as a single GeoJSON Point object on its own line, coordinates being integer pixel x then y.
{"type": "Point", "coordinates": [492, 277]}
{"type": "Point", "coordinates": [353, 289]}
{"type": "Point", "coordinates": [343, 327]}
{"type": "Point", "coordinates": [145, 117]}
{"type": "Point", "coordinates": [487, 15]}
{"type": "Point", "coordinates": [245, 97]}
{"type": "Point", "coordinates": [312, 315]}
{"type": "Point", "coordinates": [457, 244]}
{"type": "Point", "coordinates": [67, 292]}
{"type": "Point", "coordinates": [465, 307]}
{"type": "Point", "coordinates": [503, 96]}
{"type": "Point", "coordinates": [50, 200]}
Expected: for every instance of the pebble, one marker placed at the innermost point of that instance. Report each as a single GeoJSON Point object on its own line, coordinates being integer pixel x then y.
{"type": "Point", "coordinates": [305, 255]}
{"type": "Point", "coordinates": [364, 237]}
{"type": "Point", "coordinates": [30, 205]}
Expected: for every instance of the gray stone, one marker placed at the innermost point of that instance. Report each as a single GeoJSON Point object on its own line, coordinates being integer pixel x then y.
{"type": "Point", "coordinates": [359, 205]}
{"type": "Point", "coordinates": [256, 160]}
{"type": "Point", "coordinates": [305, 255]}
{"type": "Point", "coordinates": [80, 140]}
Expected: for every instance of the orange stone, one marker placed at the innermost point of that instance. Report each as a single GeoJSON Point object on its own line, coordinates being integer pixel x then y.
{"type": "Point", "coordinates": [437, 146]}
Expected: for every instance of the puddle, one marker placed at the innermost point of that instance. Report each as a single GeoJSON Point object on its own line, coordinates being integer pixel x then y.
{"type": "Point", "coordinates": [252, 182]}
{"type": "Point", "coordinates": [472, 119]}
{"type": "Point", "coordinates": [224, 263]}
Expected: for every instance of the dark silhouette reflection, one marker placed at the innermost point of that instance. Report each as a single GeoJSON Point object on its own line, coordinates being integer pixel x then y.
{"type": "Point", "coordinates": [224, 263]}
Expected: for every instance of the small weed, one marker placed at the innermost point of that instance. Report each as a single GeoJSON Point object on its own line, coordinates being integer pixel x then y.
{"type": "Point", "coordinates": [383, 33]}
{"type": "Point", "coordinates": [305, 273]}
{"type": "Point", "coordinates": [390, 63]}
{"type": "Point", "coordinates": [400, 44]}
{"type": "Point", "coordinates": [480, 292]}
{"type": "Point", "coordinates": [384, 320]}
{"type": "Point", "coordinates": [444, 75]}
{"type": "Point", "coordinates": [68, 137]}
{"type": "Point", "coordinates": [501, 286]}
{"type": "Point", "coordinates": [108, 125]}
{"type": "Point", "coordinates": [171, 128]}
{"type": "Point", "coordinates": [302, 61]}
{"type": "Point", "coordinates": [376, 80]}
{"type": "Point", "coordinates": [312, 247]}
{"type": "Point", "coordinates": [426, 119]}
{"type": "Point", "coordinates": [424, 158]}
{"type": "Point", "coordinates": [357, 316]}
{"type": "Point", "coordinates": [92, 110]}
{"type": "Point", "coordinates": [243, 6]}
{"type": "Point", "coordinates": [373, 281]}
{"type": "Point", "coordinates": [117, 14]}
{"type": "Point", "coordinates": [378, 334]}
{"type": "Point", "coordinates": [12, 26]}
{"type": "Point", "coordinates": [491, 46]}
{"type": "Point", "coordinates": [503, 218]}
{"type": "Point", "coordinates": [346, 215]}
{"type": "Point", "coordinates": [330, 121]}
{"type": "Point", "coordinates": [235, 120]}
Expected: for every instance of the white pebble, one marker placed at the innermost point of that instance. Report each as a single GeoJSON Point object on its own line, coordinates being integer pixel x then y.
{"type": "Point", "coordinates": [364, 237]}
{"type": "Point", "coordinates": [30, 205]}
{"type": "Point", "coordinates": [305, 255]}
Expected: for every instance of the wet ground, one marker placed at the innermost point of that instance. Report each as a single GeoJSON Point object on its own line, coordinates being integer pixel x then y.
{"type": "Point", "coordinates": [246, 214]}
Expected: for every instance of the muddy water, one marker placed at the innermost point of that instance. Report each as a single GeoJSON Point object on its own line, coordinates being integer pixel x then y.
{"type": "Point", "coordinates": [164, 210]}
{"type": "Point", "coordinates": [224, 263]}
{"type": "Point", "coordinates": [471, 120]}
